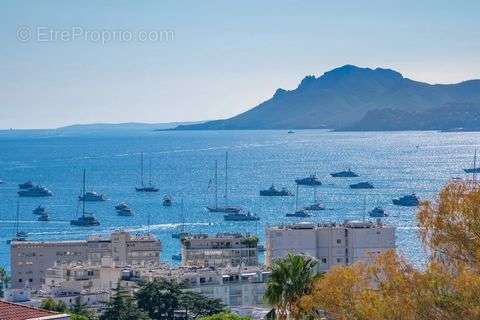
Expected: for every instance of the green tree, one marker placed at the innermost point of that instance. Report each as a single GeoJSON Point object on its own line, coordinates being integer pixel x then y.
{"type": "Point", "coordinates": [291, 278]}
{"type": "Point", "coordinates": [80, 309]}
{"type": "Point", "coordinates": [224, 316]}
{"type": "Point", "coordinates": [160, 298]}
{"type": "Point", "coordinates": [123, 307]}
{"type": "Point", "coordinates": [197, 305]}
{"type": "Point", "coordinates": [3, 280]}
{"type": "Point", "coordinates": [52, 305]}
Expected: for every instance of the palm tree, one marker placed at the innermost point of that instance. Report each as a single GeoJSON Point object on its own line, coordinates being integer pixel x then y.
{"type": "Point", "coordinates": [291, 278]}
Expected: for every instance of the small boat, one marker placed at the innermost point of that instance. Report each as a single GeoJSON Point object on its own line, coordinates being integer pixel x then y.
{"type": "Point", "coordinates": [37, 191]}
{"type": "Point", "coordinates": [87, 219]}
{"type": "Point", "coordinates": [92, 196]}
{"type": "Point", "coordinates": [317, 206]}
{"type": "Point", "coordinates": [410, 200]}
{"type": "Point", "coordinates": [181, 233]}
{"type": "Point", "coordinates": [149, 187]}
{"type": "Point", "coordinates": [225, 208]}
{"type": "Point", "coordinates": [177, 257]}
{"type": "Point", "coordinates": [39, 210]}
{"type": "Point", "coordinates": [377, 212]}
{"type": "Point", "coordinates": [125, 212]}
{"type": "Point", "coordinates": [344, 174]}
{"type": "Point", "coordinates": [299, 214]}
{"type": "Point", "coordinates": [44, 217]}
{"type": "Point", "coordinates": [290, 132]}
{"type": "Point", "coordinates": [362, 185]}
{"type": "Point", "coordinates": [475, 169]}
{"type": "Point", "coordinates": [121, 206]}
{"type": "Point", "coordinates": [241, 216]}
{"type": "Point", "coordinates": [26, 185]}
{"type": "Point", "coordinates": [19, 235]}
{"type": "Point", "coordinates": [273, 192]}
{"type": "Point", "coordinates": [167, 201]}
{"type": "Point", "coordinates": [312, 180]}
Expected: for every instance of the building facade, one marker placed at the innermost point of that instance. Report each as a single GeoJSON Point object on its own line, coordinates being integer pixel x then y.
{"type": "Point", "coordinates": [234, 286]}
{"type": "Point", "coordinates": [331, 244]}
{"type": "Point", "coordinates": [31, 259]}
{"type": "Point", "coordinates": [221, 250]}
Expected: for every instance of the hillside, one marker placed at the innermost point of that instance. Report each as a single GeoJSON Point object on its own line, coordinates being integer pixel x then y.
{"type": "Point", "coordinates": [343, 96]}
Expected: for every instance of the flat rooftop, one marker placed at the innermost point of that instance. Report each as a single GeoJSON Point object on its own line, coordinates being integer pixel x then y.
{"type": "Point", "coordinates": [350, 224]}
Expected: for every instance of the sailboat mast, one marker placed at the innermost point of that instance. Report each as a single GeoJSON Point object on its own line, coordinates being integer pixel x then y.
{"type": "Point", "coordinates": [364, 207]}
{"type": "Point", "coordinates": [183, 219]}
{"type": "Point", "coordinates": [226, 178]}
{"type": "Point", "coordinates": [216, 184]}
{"type": "Point", "coordinates": [296, 199]}
{"type": "Point", "coordinates": [83, 194]}
{"type": "Point", "coordinates": [141, 170]}
{"type": "Point", "coordinates": [18, 216]}
{"type": "Point", "coordinates": [475, 168]}
{"type": "Point", "coordinates": [149, 171]}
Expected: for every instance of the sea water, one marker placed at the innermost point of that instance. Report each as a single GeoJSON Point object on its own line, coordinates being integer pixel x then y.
{"type": "Point", "coordinates": [182, 162]}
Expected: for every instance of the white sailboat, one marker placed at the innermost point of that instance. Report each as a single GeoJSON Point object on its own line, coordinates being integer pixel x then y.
{"type": "Point", "coordinates": [226, 208]}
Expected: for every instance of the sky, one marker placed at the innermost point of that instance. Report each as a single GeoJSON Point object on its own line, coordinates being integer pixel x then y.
{"type": "Point", "coordinates": [71, 62]}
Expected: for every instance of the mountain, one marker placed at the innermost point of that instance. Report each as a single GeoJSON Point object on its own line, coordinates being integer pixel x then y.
{"type": "Point", "coordinates": [451, 117]}
{"type": "Point", "coordinates": [112, 127]}
{"type": "Point", "coordinates": [342, 97]}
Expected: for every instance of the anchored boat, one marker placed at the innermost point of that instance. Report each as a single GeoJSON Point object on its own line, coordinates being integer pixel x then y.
{"type": "Point", "coordinates": [87, 219]}
{"type": "Point", "coordinates": [37, 191]}
{"type": "Point", "coordinates": [143, 187]}
{"type": "Point", "coordinates": [344, 174]}
{"type": "Point", "coordinates": [312, 180]}
{"type": "Point", "coordinates": [362, 185]}
{"type": "Point", "coordinates": [226, 208]}
{"type": "Point", "coordinates": [273, 192]}
{"type": "Point", "coordinates": [410, 200]}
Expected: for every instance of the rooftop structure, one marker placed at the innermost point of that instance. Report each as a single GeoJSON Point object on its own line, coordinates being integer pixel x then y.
{"type": "Point", "coordinates": [31, 259]}
{"type": "Point", "coordinates": [14, 311]}
{"type": "Point", "coordinates": [220, 250]}
{"type": "Point", "coordinates": [330, 243]}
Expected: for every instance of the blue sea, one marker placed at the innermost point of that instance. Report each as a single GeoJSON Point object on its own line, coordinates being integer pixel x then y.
{"type": "Point", "coordinates": [397, 163]}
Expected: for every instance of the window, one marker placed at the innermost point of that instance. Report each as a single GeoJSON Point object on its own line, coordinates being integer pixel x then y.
{"type": "Point", "coordinates": [30, 280]}
{"type": "Point", "coordinates": [339, 260]}
{"type": "Point", "coordinates": [324, 260]}
{"type": "Point", "coordinates": [20, 280]}
{"type": "Point", "coordinates": [339, 240]}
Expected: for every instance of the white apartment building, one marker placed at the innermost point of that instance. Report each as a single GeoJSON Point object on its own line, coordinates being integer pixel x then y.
{"type": "Point", "coordinates": [221, 250]}
{"type": "Point", "coordinates": [31, 259]}
{"type": "Point", "coordinates": [235, 286]}
{"type": "Point", "coordinates": [331, 244]}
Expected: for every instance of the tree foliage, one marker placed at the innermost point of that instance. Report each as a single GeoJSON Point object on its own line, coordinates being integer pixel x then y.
{"type": "Point", "coordinates": [224, 316]}
{"type": "Point", "coordinates": [391, 288]}
{"type": "Point", "coordinates": [197, 305]}
{"type": "Point", "coordinates": [162, 298]}
{"type": "Point", "coordinates": [53, 305]}
{"type": "Point", "coordinates": [123, 306]}
{"type": "Point", "coordinates": [291, 278]}
{"type": "Point", "coordinates": [3, 280]}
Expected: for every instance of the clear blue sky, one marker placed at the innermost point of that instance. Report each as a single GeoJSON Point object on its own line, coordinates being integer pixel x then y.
{"type": "Point", "coordinates": [225, 58]}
